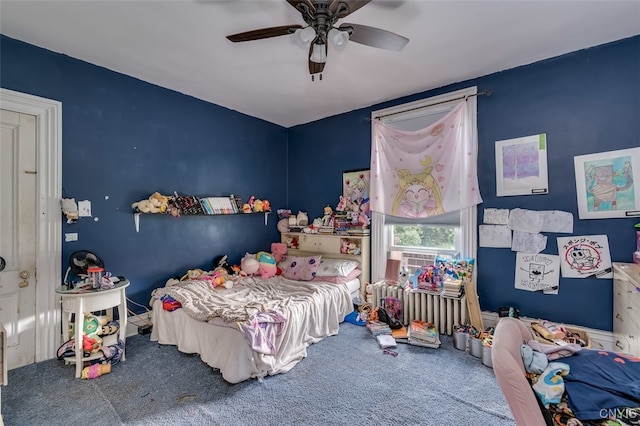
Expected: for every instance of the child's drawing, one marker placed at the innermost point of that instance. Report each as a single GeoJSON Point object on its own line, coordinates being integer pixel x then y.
{"type": "Point", "coordinates": [585, 257]}
{"type": "Point", "coordinates": [537, 272]}
{"type": "Point", "coordinates": [521, 166]}
{"type": "Point", "coordinates": [606, 184]}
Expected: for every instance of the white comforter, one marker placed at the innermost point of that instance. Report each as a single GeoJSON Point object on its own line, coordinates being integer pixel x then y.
{"type": "Point", "coordinates": [207, 323]}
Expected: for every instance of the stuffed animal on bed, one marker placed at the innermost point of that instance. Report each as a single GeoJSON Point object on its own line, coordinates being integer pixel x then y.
{"type": "Point", "coordinates": [266, 265]}
{"type": "Point", "coordinates": [249, 264]}
{"type": "Point", "coordinates": [279, 251]}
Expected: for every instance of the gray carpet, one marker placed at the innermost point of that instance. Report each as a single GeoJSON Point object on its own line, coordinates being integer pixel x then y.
{"type": "Point", "coordinates": [345, 380]}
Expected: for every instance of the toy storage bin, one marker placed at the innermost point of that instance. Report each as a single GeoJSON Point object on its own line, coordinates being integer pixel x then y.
{"type": "Point", "coordinates": [486, 356]}
{"type": "Point", "coordinates": [475, 347]}
{"type": "Point", "coordinates": [460, 340]}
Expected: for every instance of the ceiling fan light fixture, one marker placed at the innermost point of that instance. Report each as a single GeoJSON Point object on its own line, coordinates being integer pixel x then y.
{"type": "Point", "coordinates": [338, 38]}
{"type": "Point", "coordinates": [319, 53]}
{"type": "Point", "coordinates": [303, 36]}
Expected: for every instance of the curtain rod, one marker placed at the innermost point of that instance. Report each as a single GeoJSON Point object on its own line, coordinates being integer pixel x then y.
{"type": "Point", "coordinates": [484, 92]}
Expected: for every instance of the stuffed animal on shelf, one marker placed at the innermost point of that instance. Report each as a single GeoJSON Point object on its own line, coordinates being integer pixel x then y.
{"type": "Point", "coordinates": [403, 278]}
{"type": "Point", "coordinates": [292, 242]}
{"type": "Point", "coordinates": [342, 204]}
{"type": "Point", "coordinates": [302, 219]}
{"type": "Point", "coordinates": [258, 206]}
{"type": "Point", "coordinates": [266, 265]}
{"type": "Point", "coordinates": [279, 251]}
{"type": "Point", "coordinates": [159, 201]}
{"type": "Point", "coordinates": [246, 208]}
{"type": "Point", "coordinates": [91, 344]}
{"type": "Point", "coordinates": [266, 205]}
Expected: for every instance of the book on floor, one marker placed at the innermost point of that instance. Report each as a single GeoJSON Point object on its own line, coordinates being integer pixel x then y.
{"type": "Point", "coordinates": [423, 333]}
{"type": "Point", "coordinates": [386, 341]}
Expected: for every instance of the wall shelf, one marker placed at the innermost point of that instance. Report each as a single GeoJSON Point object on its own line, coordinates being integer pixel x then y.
{"type": "Point", "coordinates": [136, 216]}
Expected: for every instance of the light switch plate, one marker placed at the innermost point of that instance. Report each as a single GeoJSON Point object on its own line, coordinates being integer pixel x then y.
{"type": "Point", "coordinates": [71, 236]}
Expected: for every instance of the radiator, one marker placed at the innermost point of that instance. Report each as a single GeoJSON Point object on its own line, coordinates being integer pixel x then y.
{"type": "Point", "coordinates": [443, 312]}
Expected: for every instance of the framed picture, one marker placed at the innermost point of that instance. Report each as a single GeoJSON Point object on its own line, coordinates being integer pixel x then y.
{"type": "Point", "coordinates": [355, 184]}
{"type": "Point", "coordinates": [608, 184]}
{"type": "Point", "coordinates": [521, 166]}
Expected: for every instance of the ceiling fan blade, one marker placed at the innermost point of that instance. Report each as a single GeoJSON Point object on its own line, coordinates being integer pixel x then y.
{"type": "Point", "coordinates": [264, 33]}
{"type": "Point", "coordinates": [352, 6]}
{"type": "Point", "coordinates": [375, 37]}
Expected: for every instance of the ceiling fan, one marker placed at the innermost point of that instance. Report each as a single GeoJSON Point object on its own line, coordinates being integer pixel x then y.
{"type": "Point", "coordinates": [321, 17]}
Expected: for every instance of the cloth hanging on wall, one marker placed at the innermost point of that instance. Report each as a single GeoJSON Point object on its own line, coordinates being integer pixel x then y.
{"type": "Point", "coordinates": [426, 172]}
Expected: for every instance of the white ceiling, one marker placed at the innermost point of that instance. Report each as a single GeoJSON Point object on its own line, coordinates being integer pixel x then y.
{"type": "Point", "coordinates": [181, 45]}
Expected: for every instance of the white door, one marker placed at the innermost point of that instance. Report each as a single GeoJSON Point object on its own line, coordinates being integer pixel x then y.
{"type": "Point", "coordinates": [18, 235]}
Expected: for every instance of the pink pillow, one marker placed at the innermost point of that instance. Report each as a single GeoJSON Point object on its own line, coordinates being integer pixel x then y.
{"type": "Point", "coordinates": [337, 279]}
{"type": "Point", "coordinates": [300, 268]}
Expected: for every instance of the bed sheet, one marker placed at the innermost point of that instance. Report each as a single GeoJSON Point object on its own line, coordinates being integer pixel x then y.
{"type": "Point", "coordinates": [221, 345]}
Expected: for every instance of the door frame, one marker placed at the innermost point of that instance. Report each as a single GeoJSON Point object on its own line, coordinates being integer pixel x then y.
{"type": "Point", "coordinates": [48, 274]}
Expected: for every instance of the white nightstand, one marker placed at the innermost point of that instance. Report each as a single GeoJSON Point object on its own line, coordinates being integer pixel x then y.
{"type": "Point", "coordinates": [78, 303]}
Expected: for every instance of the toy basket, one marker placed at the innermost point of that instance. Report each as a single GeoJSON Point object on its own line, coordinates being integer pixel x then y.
{"type": "Point", "coordinates": [574, 335]}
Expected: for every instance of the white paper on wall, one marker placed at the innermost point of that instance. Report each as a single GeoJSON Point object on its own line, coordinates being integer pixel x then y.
{"type": "Point", "coordinates": [496, 216]}
{"type": "Point", "coordinates": [496, 236]}
{"type": "Point", "coordinates": [557, 221]}
{"type": "Point", "coordinates": [525, 220]}
{"type": "Point", "coordinates": [585, 256]}
{"type": "Point", "coordinates": [537, 272]}
{"type": "Point", "coordinates": [528, 242]}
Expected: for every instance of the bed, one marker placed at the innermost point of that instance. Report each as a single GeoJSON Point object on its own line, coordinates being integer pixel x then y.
{"type": "Point", "coordinates": [260, 326]}
{"type": "Point", "coordinates": [604, 385]}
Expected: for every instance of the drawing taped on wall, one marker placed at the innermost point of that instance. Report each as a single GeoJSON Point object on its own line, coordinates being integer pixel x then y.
{"type": "Point", "coordinates": [521, 166]}
{"type": "Point", "coordinates": [606, 184]}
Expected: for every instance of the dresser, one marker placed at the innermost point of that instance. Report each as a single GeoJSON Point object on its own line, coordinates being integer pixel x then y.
{"type": "Point", "coordinates": [626, 307]}
{"type": "Point", "coordinates": [335, 246]}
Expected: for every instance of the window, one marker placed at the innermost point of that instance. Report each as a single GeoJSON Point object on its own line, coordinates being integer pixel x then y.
{"type": "Point", "coordinates": [419, 241]}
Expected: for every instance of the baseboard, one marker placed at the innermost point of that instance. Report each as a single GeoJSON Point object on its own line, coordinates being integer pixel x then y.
{"type": "Point", "coordinates": [601, 339]}
{"type": "Point", "coordinates": [134, 321]}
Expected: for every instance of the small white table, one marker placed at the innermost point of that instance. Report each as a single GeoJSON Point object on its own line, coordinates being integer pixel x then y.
{"type": "Point", "coordinates": [79, 302]}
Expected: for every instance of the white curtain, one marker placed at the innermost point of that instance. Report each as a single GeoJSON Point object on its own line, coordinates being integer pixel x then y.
{"type": "Point", "coordinates": [424, 173]}
{"type": "Point", "coordinates": [379, 246]}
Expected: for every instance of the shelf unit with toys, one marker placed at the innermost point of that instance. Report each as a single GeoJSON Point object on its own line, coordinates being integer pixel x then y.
{"type": "Point", "coordinates": [352, 247]}
{"type": "Point", "coordinates": [183, 205]}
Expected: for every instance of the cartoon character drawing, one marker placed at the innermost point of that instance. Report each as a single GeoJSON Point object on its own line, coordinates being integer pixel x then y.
{"type": "Point", "coordinates": [418, 195]}
{"type": "Point", "coordinates": [582, 259]}
{"type": "Point", "coordinates": [356, 188]}
{"type": "Point", "coordinates": [600, 183]}
{"type": "Point", "coordinates": [537, 272]}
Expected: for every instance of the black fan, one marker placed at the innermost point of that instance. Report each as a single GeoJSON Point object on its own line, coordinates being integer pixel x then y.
{"type": "Point", "coordinates": [80, 260]}
{"type": "Point", "coordinates": [321, 16]}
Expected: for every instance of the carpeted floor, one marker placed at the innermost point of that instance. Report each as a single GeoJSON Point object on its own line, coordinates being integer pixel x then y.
{"type": "Point", "coordinates": [345, 380]}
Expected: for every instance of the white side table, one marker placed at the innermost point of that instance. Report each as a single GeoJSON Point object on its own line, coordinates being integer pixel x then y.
{"type": "Point", "coordinates": [80, 302]}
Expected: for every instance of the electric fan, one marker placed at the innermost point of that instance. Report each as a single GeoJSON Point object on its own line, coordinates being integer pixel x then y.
{"type": "Point", "coordinates": [80, 261]}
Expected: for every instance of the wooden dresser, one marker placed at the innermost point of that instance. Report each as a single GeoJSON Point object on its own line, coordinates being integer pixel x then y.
{"type": "Point", "coordinates": [626, 307]}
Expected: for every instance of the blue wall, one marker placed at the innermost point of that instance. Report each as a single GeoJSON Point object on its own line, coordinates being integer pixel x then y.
{"type": "Point", "coordinates": [586, 102]}
{"type": "Point", "coordinates": [124, 139]}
